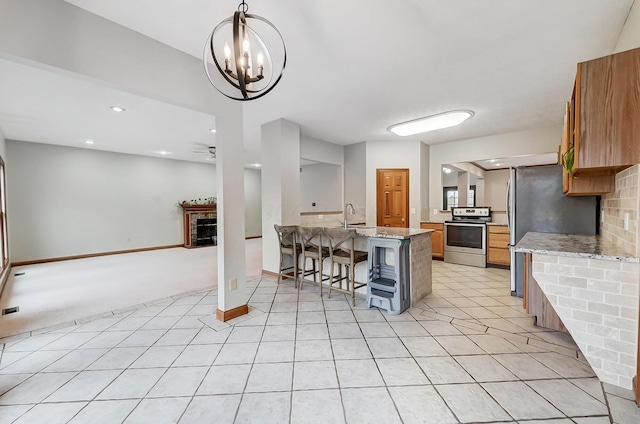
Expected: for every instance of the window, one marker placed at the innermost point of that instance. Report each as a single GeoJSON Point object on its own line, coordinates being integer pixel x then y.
{"type": "Point", "coordinates": [4, 245]}
{"type": "Point", "coordinates": [450, 197]}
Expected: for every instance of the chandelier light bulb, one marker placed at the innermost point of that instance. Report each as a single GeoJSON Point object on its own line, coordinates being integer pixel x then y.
{"type": "Point", "coordinates": [260, 59]}
{"type": "Point", "coordinates": [227, 51]}
{"type": "Point", "coordinates": [245, 45]}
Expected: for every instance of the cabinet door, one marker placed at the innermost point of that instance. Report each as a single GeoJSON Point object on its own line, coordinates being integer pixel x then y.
{"type": "Point", "coordinates": [608, 118]}
{"type": "Point", "coordinates": [437, 244]}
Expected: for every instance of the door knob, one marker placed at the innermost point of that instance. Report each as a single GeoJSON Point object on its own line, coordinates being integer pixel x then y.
{"type": "Point", "coordinates": [403, 220]}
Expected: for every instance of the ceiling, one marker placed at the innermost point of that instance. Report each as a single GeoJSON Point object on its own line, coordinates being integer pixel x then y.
{"type": "Point", "coordinates": [354, 68]}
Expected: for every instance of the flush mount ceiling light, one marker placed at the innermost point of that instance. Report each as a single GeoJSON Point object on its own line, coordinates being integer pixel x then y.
{"type": "Point", "coordinates": [88, 141]}
{"type": "Point", "coordinates": [117, 108]}
{"type": "Point", "coordinates": [245, 68]}
{"type": "Point", "coordinates": [212, 130]}
{"type": "Point", "coordinates": [431, 123]}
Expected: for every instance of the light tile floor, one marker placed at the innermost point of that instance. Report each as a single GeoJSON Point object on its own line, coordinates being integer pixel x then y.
{"type": "Point", "coordinates": [467, 353]}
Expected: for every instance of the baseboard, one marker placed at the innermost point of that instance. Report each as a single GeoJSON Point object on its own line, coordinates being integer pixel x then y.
{"type": "Point", "coordinates": [252, 237]}
{"type": "Point", "coordinates": [232, 313]}
{"type": "Point", "coordinates": [93, 255]}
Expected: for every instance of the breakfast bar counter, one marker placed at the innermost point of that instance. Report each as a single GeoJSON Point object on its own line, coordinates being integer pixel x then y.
{"type": "Point", "coordinates": [592, 286]}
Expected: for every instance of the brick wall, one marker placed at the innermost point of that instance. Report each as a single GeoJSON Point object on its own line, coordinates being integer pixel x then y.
{"type": "Point", "coordinates": [597, 301]}
{"type": "Point", "coordinates": [626, 199]}
{"type": "Point", "coordinates": [421, 265]}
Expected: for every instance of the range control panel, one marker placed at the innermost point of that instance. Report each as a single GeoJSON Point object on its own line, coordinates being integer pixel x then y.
{"type": "Point", "coordinates": [479, 212]}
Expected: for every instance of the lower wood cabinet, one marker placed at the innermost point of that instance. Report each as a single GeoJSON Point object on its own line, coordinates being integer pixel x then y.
{"type": "Point", "coordinates": [437, 238]}
{"type": "Point", "coordinates": [498, 245]}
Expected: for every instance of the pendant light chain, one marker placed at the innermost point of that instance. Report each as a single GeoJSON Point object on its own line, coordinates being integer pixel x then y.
{"type": "Point", "coordinates": [244, 7]}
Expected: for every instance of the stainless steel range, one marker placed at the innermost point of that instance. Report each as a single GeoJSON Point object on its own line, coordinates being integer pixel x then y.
{"type": "Point", "coordinates": [465, 236]}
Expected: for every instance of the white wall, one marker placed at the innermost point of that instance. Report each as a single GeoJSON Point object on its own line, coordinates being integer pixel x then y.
{"type": "Point", "coordinates": [534, 141]}
{"type": "Point", "coordinates": [495, 189]}
{"type": "Point", "coordinates": [397, 154]}
{"type": "Point", "coordinates": [321, 183]}
{"type": "Point", "coordinates": [65, 201]}
{"type": "Point", "coordinates": [355, 171]}
{"type": "Point", "coordinates": [321, 151]}
{"type": "Point", "coordinates": [630, 35]}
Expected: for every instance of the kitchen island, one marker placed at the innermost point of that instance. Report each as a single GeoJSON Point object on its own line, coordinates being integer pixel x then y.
{"type": "Point", "coordinates": [592, 286]}
{"type": "Point", "coordinates": [420, 282]}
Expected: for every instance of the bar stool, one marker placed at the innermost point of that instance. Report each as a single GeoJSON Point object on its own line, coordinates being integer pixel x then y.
{"type": "Point", "coordinates": [310, 239]}
{"type": "Point", "coordinates": [288, 247]}
{"type": "Point", "coordinates": [342, 253]}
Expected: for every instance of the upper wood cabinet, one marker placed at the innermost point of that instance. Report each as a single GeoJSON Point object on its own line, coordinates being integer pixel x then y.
{"type": "Point", "coordinates": [602, 122]}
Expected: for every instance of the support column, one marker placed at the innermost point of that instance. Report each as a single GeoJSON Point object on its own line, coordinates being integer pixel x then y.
{"type": "Point", "coordinates": [280, 185]}
{"type": "Point", "coordinates": [463, 188]}
{"type": "Point", "coordinates": [232, 294]}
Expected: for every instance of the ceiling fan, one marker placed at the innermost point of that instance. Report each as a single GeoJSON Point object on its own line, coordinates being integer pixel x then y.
{"type": "Point", "coordinates": [206, 149]}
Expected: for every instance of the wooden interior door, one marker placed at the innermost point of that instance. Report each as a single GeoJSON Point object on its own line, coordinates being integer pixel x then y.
{"type": "Point", "coordinates": [392, 198]}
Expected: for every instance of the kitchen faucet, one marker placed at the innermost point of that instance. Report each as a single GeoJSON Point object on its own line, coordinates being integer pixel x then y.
{"type": "Point", "coordinates": [348, 208]}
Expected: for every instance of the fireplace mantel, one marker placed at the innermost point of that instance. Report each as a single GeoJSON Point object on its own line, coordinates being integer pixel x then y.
{"type": "Point", "coordinates": [191, 215]}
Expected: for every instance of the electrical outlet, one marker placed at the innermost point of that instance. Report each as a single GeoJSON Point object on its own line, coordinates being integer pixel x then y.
{"type": "Point", "coordinates": [413, 211]}
{"type": "Point", "coordinates": [233, 284]}
{"type": "Point", "coordinates": [626, 222]}
{"type": "Point", "coordinates": [435, 211]}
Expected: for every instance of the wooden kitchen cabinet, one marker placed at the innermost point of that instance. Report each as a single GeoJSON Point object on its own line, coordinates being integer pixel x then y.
{"type": "Point", "coordinates": [602, 122]}
{"type": "Point", "coordinates": [437, 238]}
{"type": "Point", "coordinates": [498, 245]}
{"type": "Point", "coordinates": [536, 303]}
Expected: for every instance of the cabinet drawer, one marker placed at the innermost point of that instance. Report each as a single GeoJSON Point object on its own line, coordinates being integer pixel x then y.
{"type": "Point", "coordinates": [499, 240]}
{"type": "Point", "coordinates": [432, 226]}
{"type": "Point", "coordinates": [498, 229]}
{"type": "Point", "coordinates": [498, 256]}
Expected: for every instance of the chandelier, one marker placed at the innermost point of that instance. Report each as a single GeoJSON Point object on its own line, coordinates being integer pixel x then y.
{"type": "Point", "coordinates": [245, 69]}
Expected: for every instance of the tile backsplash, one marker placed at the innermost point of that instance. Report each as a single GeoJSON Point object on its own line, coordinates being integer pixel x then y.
{"type": "Point", "coordinates": [625, 200]}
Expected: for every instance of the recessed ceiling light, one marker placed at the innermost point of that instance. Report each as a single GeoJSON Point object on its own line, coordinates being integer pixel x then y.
{"type": "Point", "coordinates": [88, 141]}
{"type": "Point", "coordinates": [492, 160]}
{"type": "Point", "coordinates": [498, 164]}
{"type": "Point", "coordinates": [431, 123]}
{"type": "Point", "coordinates": [446, 170]}
{"type": "Point", "coordinates": [117, 108]}
{"type": "Point", "coordinates": [212, 130]}
{"type": "Point", "coordinates": [163, 152]}
{"type": "Point", "coordinates": [257, 165]}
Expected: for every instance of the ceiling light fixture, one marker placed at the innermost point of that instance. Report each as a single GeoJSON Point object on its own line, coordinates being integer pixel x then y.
{"type": "Point", "coordinates": [164, 152]}
{"type": "Point", "coordinates": [446, 170]}
{"type": "Point", "coordinates": [431, 123]}
{"type": "Point", "coordinates": [88, 141]}
{"type": "Point", "coordinates": [212, 130]}
{"type": "Point", "coordinates": [246, 69]}
{"type": "Point", "coordinates": [117, 108]}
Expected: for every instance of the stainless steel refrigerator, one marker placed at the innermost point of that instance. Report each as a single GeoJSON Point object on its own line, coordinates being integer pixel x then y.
{"type": "Point", "coordinates": [535, 202]}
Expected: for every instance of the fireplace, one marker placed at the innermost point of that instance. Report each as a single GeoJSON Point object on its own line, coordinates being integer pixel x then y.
{"type": "Point", "coordinates": [200, 225]}
{"type": "Point", "coordinates": [206, 232]}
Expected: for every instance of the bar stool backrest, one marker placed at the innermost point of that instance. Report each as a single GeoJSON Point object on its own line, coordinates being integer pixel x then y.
{"type": "Point", "coordinates": [286, 235]}
{"type": "Point", "coordinates": [310, 237]}
{"type": "Point", "coordinates": [341, 239]}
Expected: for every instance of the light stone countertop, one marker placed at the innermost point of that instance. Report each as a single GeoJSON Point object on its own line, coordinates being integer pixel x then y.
{"type": "Point", "coordinates": [390, 232]}
{"type": "Point", "coordinates": [496, 224]}
{"type": "Point", "coordinates": [580, 246]}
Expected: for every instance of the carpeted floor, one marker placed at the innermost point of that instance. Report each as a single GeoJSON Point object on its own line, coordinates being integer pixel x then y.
{"type": "Point", "coordinates": [61, 292]}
